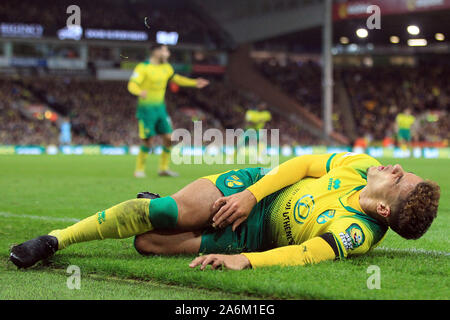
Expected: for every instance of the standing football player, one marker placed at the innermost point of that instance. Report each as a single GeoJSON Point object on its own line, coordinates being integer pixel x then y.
{"type": "Point", "coordinates": [148, 82]}
{"type": "Point", "coordinates": [255, 120]}
{"type": "Point", "coordinates": [404, 123]}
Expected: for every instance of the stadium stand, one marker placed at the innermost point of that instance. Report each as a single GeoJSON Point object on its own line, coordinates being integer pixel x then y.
{"type": "Point", "coordinates": [104, 112]}
{"type": "Point", "coordinates": [376, 94]}
{"type": "Point", "coordinates": [379, 94]}
{"type": "Point", "coordinates": [15, 127]}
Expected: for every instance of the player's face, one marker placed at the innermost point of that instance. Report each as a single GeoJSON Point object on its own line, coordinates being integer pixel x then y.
{"type": "Point", "coordinates": [164, 53]}
{"type": "Point", "coordinates": [388, 183]}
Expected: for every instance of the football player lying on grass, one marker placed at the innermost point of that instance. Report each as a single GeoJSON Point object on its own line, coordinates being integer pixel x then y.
{"type": "Point", "coordinates": [309, 209]}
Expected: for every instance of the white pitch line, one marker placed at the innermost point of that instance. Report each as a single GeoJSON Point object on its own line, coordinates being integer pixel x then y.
{"type": "Point", "coordinates": [414, 250]}
{"type": "Point", "coordinates": [44, 218]}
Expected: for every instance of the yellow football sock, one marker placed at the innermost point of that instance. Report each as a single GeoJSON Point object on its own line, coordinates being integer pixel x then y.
{"type": "Point", "coordinates": [141, 158]}
{"type": "Point", "coordinates": [124, 220]}
{"type": "Point", "coordinates": [164, 159]}
{"type": "Point", "coordinates": [261, 149]}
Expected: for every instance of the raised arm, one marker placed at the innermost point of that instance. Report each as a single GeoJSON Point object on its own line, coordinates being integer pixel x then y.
{"type": "Point", "coordinates": [188, 82]}
{"type": "Point", "coordinates": [290, 172]}
{"type": "Point", "coordinates": [236, 208]}
{"type": "Point", "coordinates": [184, 81]}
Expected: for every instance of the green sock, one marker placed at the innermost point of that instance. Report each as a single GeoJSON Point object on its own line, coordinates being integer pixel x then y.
{"type": "Point", "coordinates": [163, 213]}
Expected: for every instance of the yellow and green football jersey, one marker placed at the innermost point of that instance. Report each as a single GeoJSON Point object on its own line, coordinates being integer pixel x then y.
{"type": "Point", "coordinates": [257, 119]}
{"type": "Point", "coordinates": [328, 204]}
{"type": "Point", "coordinates": [153, 79]}
{"type": "Point", "coordinates": [405, 121]}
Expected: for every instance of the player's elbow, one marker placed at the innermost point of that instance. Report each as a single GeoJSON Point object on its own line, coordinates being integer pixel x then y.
{"type": "Point", "coordinates": [133, 88]}
{"type": "Point", "coordinates": [129, 88]}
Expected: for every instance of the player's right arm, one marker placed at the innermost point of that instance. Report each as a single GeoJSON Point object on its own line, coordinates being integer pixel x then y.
{"type": "Point", "coordinates": [236, 208]}
{"type": "Point", "coordinates": [136, 80]}
{"type": "Point", "coordinates": [308, 166]}
{"type": "Point", "coordinates": [288, 173]}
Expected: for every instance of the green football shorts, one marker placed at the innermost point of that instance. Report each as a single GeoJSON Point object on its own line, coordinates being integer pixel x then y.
{"type": "Point", "coordinates": [404, 134]}
{"type": "Point", "coordinates": [153, 121]}
{"type": "Point", "coordinates": [249, 236]}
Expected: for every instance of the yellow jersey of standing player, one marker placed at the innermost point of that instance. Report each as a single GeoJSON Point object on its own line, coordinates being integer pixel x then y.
{"type": "Point", "coordinates": [153, 79]}
{"type": "Point", "coordinates": [405, 121]}
{"type": "Point", "coordinates": [329, 204]}
{"type": "Point", "coordinates": [257, 119]}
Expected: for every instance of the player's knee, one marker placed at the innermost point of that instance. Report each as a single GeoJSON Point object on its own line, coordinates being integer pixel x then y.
{"type": "Point", "coordinates": [145, 246]}
{"type": "Point", "coordinates": [141, 246]}
{"type": "Point", "coordinates": [137, 245]}
{"type": "Point", "coordinates": [147, 142]}
{"type": "Point", "coordinates": [167, 140]}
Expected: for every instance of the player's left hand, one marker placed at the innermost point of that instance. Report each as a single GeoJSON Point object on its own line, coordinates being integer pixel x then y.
{"type": "Point", "coordinates": [201, 83]}
{"type": "Point", "coordinates": [232, 262]}
{"type": "Point", "coordinates": [234, 209]}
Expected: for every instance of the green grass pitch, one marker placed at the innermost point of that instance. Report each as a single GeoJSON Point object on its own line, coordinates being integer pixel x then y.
{"type": "Point", "coordinates": [41, 193]}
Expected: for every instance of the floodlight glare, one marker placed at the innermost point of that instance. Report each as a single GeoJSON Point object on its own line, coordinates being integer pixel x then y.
{"type": "Point", "coordinates": [344, 40]}
{"type": "Point", "coordinates": [414, 30]}
{"type": "Point", "coordinates": [362, 33]}
{"type": "Point", "coordinates": [439, 36]}
{"type": "Point", "coordinates": [394, 39]}
{"type": "Point", "coordinates": [417, 42]}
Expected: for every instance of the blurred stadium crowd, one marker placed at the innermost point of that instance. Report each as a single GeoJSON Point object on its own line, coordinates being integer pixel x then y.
{"type": "Point", "coordinates": [15, 128]}
{"type": "Point", "coordinates": [104, 112]}
{"type": "Point", "coordinates": [376, 94]}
